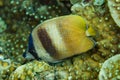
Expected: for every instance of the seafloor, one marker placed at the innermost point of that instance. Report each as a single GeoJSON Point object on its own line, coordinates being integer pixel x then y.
{"type": "Point", "coordinates": [19, 17]}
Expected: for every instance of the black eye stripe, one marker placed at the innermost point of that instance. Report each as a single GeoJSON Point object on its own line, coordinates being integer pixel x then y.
{"type": "Point", "coordinates": [46, 42]}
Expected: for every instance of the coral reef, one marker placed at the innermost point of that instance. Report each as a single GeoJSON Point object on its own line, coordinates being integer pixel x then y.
{"type": "Point", "coordinates": [98, 2]}
{"type": "Point", "coordinates": [6, 68]}
{"type": "Point", "coordinates": [114, 8]}
{"type": "Point", "coordinates": [21, 16]}
{"type": "Point", "coordinates": [110, 69]}
{"type": "Point", "coordinates": [108, 32]}
{"type": "Point", "coordinates": [3, 26]}
{"type": "Point", "coordinates": [34, 70]}
{"type": "Point", "coordinates": [79, 67]}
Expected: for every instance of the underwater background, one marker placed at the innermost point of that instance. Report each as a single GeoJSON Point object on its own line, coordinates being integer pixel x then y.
{"type": "Point", "coordinates": [19, 17]}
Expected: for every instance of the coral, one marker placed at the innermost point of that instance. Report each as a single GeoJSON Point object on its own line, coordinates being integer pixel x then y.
{"type": "Point", "coordinates": [1, 57]}
{"type": "Point", "coordinates": [6, 68]}
{"type": "Point", "coordinates": [3, 26]}
{"type": "Point", "coordinates": [108, 36]}
{"type": "Point", "coordinates": [110, 69]}
{"type": "Point", "coordinates": [21, 16]}
{"type": "Point", "coordinates": [74, 69]}
{"type": "Point", "coordinates": [107, 32]}
{"type": "Point", "coordinates": [34, 70]}
{"type": "Point", "coordinates": [98, 2]}
{"type": "Point", "coordinates": [70, 70]}
{"type": "Point", "coordinates": [75, 1]}
{"type": "Point", "coordinates": [38, 9]}
{"type": "Point", "coordinates": [1, 3]}
{"type": "Point", "coordinates": [114, 8]}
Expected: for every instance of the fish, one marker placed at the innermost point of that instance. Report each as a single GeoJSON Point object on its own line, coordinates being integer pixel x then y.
{"type": "Point", "coordinates": [60, 38]}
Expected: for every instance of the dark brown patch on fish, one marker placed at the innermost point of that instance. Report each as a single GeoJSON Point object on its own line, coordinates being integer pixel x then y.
{"type": "Point", "coordinates": [47, 42]}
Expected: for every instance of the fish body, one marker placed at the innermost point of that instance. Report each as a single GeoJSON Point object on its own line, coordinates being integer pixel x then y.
{"type": "Point", "coordinates": [60, 38]}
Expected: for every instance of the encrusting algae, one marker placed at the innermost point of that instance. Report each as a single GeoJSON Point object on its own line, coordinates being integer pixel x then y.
{"type": "Point", "coordinates": [23, 16]}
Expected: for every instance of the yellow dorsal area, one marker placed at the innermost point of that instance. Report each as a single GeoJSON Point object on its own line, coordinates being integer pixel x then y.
{"type": "Point", "coordinates": [75, 20]}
